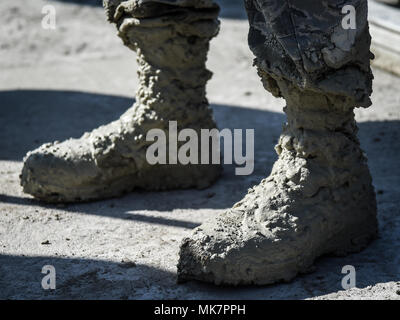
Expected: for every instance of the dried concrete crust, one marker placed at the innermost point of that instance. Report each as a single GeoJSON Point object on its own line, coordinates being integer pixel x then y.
{"type": "Point", "coordinates": [319, 197]}
{"type": "Point", "coordinates": [171, 39]}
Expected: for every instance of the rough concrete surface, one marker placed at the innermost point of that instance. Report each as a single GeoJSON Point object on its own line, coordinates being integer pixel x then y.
{"type": "Point", "coordinates": [385, 31]}
{"type": "Point", "coordinates": [53, 87]}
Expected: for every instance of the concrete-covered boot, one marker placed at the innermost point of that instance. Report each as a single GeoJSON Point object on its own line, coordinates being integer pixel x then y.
{"type": "Point", "coordinates": [319, 198]}
{"type": "Point", "coordinates": [171, 39]}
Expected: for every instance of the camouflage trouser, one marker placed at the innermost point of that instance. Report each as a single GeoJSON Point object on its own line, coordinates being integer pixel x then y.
{"type": "Point", "coordinates": [307, 43]}
{"type": "Point", "coordinates": [304, 42]}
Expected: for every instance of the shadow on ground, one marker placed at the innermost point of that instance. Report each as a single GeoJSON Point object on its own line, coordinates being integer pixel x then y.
{"type": "Point", "coordinates": [231, 9]}
{"type": "Point", "coordinates": [30, 117]}
{"type": "Point", "coordinates": [77, 278]}
{"type": "Point", "coordinates": [21, 277]}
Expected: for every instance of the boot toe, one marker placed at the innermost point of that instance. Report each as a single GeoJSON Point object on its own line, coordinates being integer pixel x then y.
{"type": "Point", "coordinates": [52, 169]}
{"type": "Point", "coordinates": [227, 251]}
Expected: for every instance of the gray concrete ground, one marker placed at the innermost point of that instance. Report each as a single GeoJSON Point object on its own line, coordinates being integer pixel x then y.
{"type": "Point", "coordinates": [385, 30]}
{"type": "Point", "coordinates": [57, 84]}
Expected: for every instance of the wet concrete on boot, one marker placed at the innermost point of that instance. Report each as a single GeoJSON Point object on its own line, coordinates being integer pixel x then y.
{"type": "Point", "coordinates": [171, 40]}
{"type": "Point", "coordinates": [319, 197]}
{"type": "Point", "coordinates": [46, 89]}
